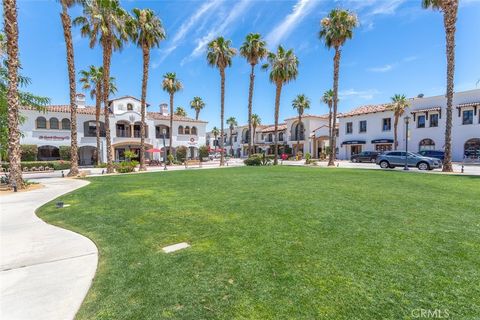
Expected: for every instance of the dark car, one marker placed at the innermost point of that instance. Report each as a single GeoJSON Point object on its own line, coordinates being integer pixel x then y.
{"type": "Point", "coordinates": [433, 154]}
{"type": "Point", "coordinates": [365, 156]}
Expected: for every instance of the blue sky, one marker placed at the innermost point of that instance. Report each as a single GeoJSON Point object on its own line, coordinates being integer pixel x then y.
{"type": "Point", "coordinates": [398, 48]}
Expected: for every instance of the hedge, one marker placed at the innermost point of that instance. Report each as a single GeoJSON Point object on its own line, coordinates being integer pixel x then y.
{"type": "Point", "coordinates": [28, 152]}
{"type": "Point", "coordinates": [181, 153]}
{"type": "Point", "coordinates": [65, 153]}
{"type": "Point", "coordinates": [56, 165]}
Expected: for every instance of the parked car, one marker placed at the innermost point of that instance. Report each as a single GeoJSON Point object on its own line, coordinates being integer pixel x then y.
{"type": "Point", "coordinates": [433, 154]}
{"type": "Point", "coordinates": [365, 156]}
{"type": "Point", "coordinates": [394, 159]}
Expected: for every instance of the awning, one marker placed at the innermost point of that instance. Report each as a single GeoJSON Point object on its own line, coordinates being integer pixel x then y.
{"type": "Point", "coordinates": [353, 142]}
{"type": "Point", "coordinates": [153, 150]}
{"type": "Point", "coordinates": [382, 141]}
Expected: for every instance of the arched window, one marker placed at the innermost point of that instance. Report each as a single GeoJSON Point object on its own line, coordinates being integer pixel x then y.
{"type": "Point", "coordinates": [270, 137]}
{"type": "Point", "coordinates": [129, 106]}
{"type": "Point", "coordinates": [426, 144]}
{"type": "Point", "coordinates": [280, 136]}
{"type": "Point", "coordinates": [187, 130]}
{"type": "Point", "coordinates": [53, 123]}
{"type": "Point", "coordinates": [472, 148]}
{"type": "Point", "coordinates": [41, 123]}
{"type": "Point", "coordinates": [180, 130]}
{"type": "Point", "coordinates": [66, 124]}
{"type": "Point", "coordinates": [193, 131]}
{"type": "Point", "coordinates": [297, 131]}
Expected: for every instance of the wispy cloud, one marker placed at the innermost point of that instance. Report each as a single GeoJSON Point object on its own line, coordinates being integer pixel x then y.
{"type": "Point", "coordinates": [299, 11]}
{"type": "Point", "coordinates": [363, 94]}
{"type": "Point", "coordinates": [384, 68]}
{"type": "Point", "coordinates": [368, 10]}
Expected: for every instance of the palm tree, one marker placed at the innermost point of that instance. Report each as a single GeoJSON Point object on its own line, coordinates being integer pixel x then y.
{"type": "Point", "coordinates": [147, 32]}
{"type": "Point", "coordinates": [171, 85]}
{"type": "Point", "coordinates": [197, 104]}
{"type": "Point", "coordinates": [11, 32]}
{"type": "Point", "coordinates": [67, 33]}
{"type": "Point", "coordinates": [106, 22]}
{"type": "Point", "coordinates": [92, 79]}
{"type": "Point", "coordinates": [180, 112]}
{"type": "Point", "coordinates": [300, 103]}
{"type": "Point", "coordinates": [336, 29]}
{"type": "Point", "coordinates": [215, 133]}
{"type": "Point", "coordinates": [232, 123]}
{"type": "Point", "coordinates": [283, 69]}
{"type": "Point", "coordinates": [253, 49]}
{"type": "Point", "coordinates": [219, 55]}
{"type": "Point", "coordinates": [256, 121]}
{"type": "Point", "coordinates": [398, 106]}
{"type": "Point", "coordinates": [449, 9]}
{"type": "Point", "coordinates": [328, 100]}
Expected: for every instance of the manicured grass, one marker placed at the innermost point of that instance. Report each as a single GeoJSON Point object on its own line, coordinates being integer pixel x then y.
{"type": "Point", "coordinates": [279, 243]}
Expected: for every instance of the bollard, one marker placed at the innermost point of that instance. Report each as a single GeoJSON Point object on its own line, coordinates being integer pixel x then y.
{"type": "Point", "coordinates": [338, 164]}
{"type": "Point", "coordinates": [14, 185]}
{"type": "Point", "coordinates": [462, 168]}
{"type": "Point", "coordinates": [63, 174]}
{"type": "Point", "coordinates": [103, 171]}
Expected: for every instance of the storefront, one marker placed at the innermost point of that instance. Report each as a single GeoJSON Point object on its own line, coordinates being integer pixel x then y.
{"type": "Point", "coordinates": [382, 145]}
{"type": "Point", "coordinates": [352, 147]}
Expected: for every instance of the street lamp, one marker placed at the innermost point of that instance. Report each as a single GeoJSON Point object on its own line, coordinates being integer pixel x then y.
{"type": "Point", "coordinates": [407, 121]}
{"type": "Point", "coordinates": [164, 132]}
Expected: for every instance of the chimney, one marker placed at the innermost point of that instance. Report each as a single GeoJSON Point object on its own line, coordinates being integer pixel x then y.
{"type": "Point", "coordinates": [164, 109]}
{"type": "Point", "coordinates": [80, 100]}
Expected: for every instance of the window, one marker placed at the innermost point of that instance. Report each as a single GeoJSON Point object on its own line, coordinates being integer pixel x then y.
{"type": "Point", "coordinates": [363, 126]}
{"type": "Point", "coordinates": [434, 120]}
{"type": "Point", "coordinates": [41, 123]}
{"type": "Point", "coordinates": [193, 132]}
{"type": "Point", "coordinates": [421, 122]}
{"type": "Point", "coordinates": [383, 147]}
{"type": "Point", "coordinates": [386, 124]}
{"type": "Point", "coordinates": [426, 144]}
{"type": "Point", "coordinates": [187, 130]}
{"type": "Point", "coordinates": [298, 131]}
{"type": "Point", "coordinates": [129, 107]}
{"type": "Point", "coordinates": [270, 137]}
{"type": "Point", "coordinates": [159, 132]}
{"type": "Point", "coordinates": [349, 127]}
{"type": "Point", "coordinates": [180, 130]}
{"type": "Point", "coordinates": [472, 148]}
{"type": "Point", "coordinates": [53, 123]}
{"type": "Point", "coordinates": [280, 136]}
{"type": "Point", "coordinates": [66, 124]}
{"type": "Point", "coordinates": [467, 117]}
{"type": "Point", "coordinates": [90, 129]}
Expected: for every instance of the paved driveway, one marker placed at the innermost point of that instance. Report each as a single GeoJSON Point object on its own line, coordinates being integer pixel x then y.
{"type": "Point", "coordinates": [45, 271]}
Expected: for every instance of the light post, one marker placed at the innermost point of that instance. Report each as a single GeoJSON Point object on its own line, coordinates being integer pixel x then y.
{"type": "Point", "coordinates": [407, 121]}
{"type": "Point", "coordinates": [164, 132]}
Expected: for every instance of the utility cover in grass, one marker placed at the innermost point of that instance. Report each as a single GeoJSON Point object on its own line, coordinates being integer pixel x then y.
{"type": "Point", "coordinates": [175, 247]}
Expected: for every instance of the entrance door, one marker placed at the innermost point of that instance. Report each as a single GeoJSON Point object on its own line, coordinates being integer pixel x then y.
{"type": "Point", "coordinates": [355, 149]}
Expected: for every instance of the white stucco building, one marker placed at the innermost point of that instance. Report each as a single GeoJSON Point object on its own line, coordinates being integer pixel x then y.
{"type": "Point", "coordinates": [51, 129]}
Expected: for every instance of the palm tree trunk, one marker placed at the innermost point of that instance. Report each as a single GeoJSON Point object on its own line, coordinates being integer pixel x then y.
{"type": "Point", "coordinates": [449, 20]}
{"type": "Point", "coordinates": [98, 105]}
{"type": "Point", "coordinates": [330, 134]}
{"type": "Point", "coordinates": [197, 113]}
{"type": "Point", "coordinates": [11, 31]}
{"type": "Point", "coordinates": [170, 133]}
{"type": "Point", "coordinates": [231, 142]}
{"type": "Point", "coordinates": [298, 136]}
{"type": "Point", "coordinates": [107, 55]}
{"type": "Point", "coordinates": [395, 132]}
{"type": "Point", "coordinates": [146, 61]}
{"type": "Point", "coordinates": [254, 128]}
{"type": "Point", "coordinates": [278, 92]}
{"type": "Point", "coordinates": [222, 111]}
{"type": "Point", "coordinates": [250, 98]}
{"type": "Point", "coordinates": [67, 33]}
{"type": "Point", "coordinates": [336, 69]}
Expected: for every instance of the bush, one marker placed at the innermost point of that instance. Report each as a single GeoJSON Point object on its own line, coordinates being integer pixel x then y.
{"type": "Point", "coordinates": [28, 152]}
{"type": "Point", "coordinates": [170, 159]}
{"type": "Point", "coordinates": [181, 153]}
{"type": "Point", "coordinates": [308, 158]}
{"type": "Point", "coordinates": [253, 160]}
{"type": "Point", "coordinates": [126, 166]}
{"type": "Point", "coordinates": [55, 165]}
{"type": "Point", "coordinates": [203, 152]}
{"type": "Point", "coordinates": [65, 152]}
{"type": "Point", "coordinates": [101, 165]}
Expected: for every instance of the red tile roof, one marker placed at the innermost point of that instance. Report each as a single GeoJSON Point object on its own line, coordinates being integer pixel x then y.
{"type": "Point", "coordinates": [159, 116]}
{"type": "Point", "coordinates": [271, 128]}
{"type": "Point", "coordinates": [65, 109]}
{"type": "Point", "coordinates": [366, 109]}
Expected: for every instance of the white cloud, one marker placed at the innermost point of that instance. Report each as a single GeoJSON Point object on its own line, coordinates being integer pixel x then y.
{"type": "Point", "coordinates": [384, 68]}
{"type": "Point", "coordinates": [352, 93]}
{"type": "Point", "coordinates": [299, 11]}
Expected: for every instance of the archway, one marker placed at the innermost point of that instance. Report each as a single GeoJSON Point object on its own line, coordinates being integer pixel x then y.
{"type": "Point", "coordinates": [471, 148]}
{"type": "Point", "coordinates": [87, 155]}
{"type": "Point", "coordinates": [426, 144]}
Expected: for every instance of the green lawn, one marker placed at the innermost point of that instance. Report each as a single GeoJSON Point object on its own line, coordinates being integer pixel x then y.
{"type": "Point", "coordinates": [279, 243]}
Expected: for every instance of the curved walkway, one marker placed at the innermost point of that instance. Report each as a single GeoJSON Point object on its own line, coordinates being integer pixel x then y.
{"type": "Point", "coordinates": [45, 271]}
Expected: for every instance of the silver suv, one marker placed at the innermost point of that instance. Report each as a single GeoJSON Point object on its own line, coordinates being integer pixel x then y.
{"type": "Point", "coordinates": [392, 159]}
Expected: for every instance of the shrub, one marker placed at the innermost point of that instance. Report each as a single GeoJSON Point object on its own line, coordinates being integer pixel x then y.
{"type": "Point", "coordinates": [126, 166]}
{"type": "Point", "coordinates": [181, 153]}
{"type": "Point", "coordinates": [56, 165]}
{"type": "Point", "coordinates": [65, 152]}
{"type": "Point", "coordinates": [253, 161]}
{"type": "Point", "coordinates": [308, 158]}
{"type": "Point", "coordinates": [129, 155]}
{"type": "Point", "coordinates": [170, 159]}
{"type": "Point", "coordinates": [203, 152]}
{"type": "Point", "coordinates": [28, 152]}
{"type": "Point", "coordinates": [101, 165]}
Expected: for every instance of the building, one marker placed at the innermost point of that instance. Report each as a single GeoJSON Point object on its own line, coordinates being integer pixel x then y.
{"type": "Point", "coordinates": [51, 129]}
{"type": "Point", "coordinates": [370, 128]}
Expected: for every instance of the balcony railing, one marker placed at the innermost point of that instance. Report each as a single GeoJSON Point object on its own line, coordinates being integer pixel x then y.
{"type": "Point", "coordinates": [122, 133]}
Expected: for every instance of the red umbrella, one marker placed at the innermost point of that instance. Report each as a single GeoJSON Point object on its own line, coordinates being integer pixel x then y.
{"type": "Point", "coordinates": [153, 150]}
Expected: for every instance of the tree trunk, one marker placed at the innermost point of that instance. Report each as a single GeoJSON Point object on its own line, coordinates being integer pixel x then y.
{"type": "Point", "coordinates": [107, 55]}
{"type": "Point", "coordinates": [254, 128]}
{"type": "Point", "coordinates": [395, 132]}
{"type": "Point", "coordinates": [197, 113]}
{"type": "Point", "coordinates": [278, 92]}
{"type": "Point", "coordinates": [250, 98]}
{"type": "Point", "coordinates": [170, 133]}
{"type": "Point", "coordinates": [146, 61]}
{"type": "Point", "coordinates": [336, 70]}
{"type": "Point", "coordinates": [98, 105]}
{"type": "Point", "coordinates": [222, 111]}
{"type": "Point", "coordinates": [330, 131]}
{"type": "Point", "coordinates": [67, 33]}
{"type": "Point", "coordinates": [449, 20]}
{"type": "Point", "coordinates": [298, 136]}
{"type": "Point", "coordinates": [14, 153]}
{"type": "Point", "coordinates": [231, 142]}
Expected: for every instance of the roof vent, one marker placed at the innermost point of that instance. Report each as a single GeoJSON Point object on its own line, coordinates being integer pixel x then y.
{"type": "Point", "coordinates": [420, 95]}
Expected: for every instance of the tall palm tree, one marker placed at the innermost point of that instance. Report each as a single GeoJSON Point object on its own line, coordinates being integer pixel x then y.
{"type": "Point", "coordinates": [449, 9]}
{"type": "Point", "coordinates": [398, 106]}
{"type": "Point", "coordinates": [256, 121]}
{"type": "Point", "coordinates": [180, 112]}
{"type": "Point", "coordinates": [300, 103]}
{"type": "Point", "coordinates": [283, 69]}
{"type": "Point", "coordinates": [328, 100]}
{"type": "Point", "coordinates": [67, 34]}
{"type": "Point", "coordinates": [336, 29]}
{"type": "Point", "coordinates": [171, 85]}
{"type": "Point", "coordinates": [197, 104]}
{"type": "Point", "coordinates": [147, 32]}
{"type": "Point", "coordinates": [253, 49]}
{"type": "Point", "coordinates": [106, 22]}
{"type": "Point", "coordinates": [11, 32]}
{"type": "Point", "coordinates": [232, 123]}
{"type": "Point", "coordinates": [92, 80]}
{"type": "Point", "coordinates": [215, 133]}
{"type": "Point", "coordinates": [219, 55]}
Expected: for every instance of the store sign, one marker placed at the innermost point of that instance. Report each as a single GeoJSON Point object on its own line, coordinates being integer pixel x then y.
{"type": "Point", "coordinates": [192, 142]}
{"type": "Point", "coordinates": [382, 141]}
{"type": "Point", "coordinates": [54, 138]}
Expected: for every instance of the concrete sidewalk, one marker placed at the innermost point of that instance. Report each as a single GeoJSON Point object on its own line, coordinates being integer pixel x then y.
{"type": "Point", "coordinates": [45, 271]}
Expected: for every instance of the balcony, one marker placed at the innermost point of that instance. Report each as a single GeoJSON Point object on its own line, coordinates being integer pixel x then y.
{"type": "Point", "coordinates": [123, 133]}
